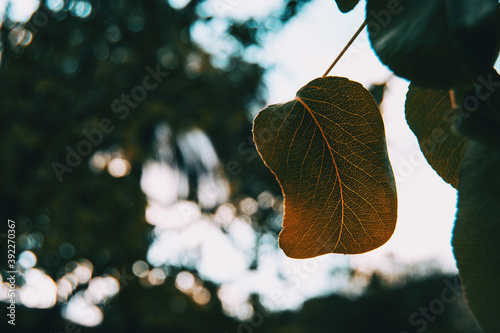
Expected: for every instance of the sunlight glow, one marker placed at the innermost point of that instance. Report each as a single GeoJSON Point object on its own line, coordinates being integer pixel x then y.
{"type": "Point", "coordinates": [40, 291]}
{"type": "Point", "coordinates": [177, 216]}
{"type": "Point", "coordinates": [81, 308]}
{"type": "Point", "coordinates": [77, 273]}
{"type": "Point", "coordinates": [163, 183]}
{"type": "Point", "coordinates": [240, 9]}
{"type": "Point", "coordinates": [235, 303]}
{"type": "Point", "coordinates": [20, 11]}
{"type": "Point", "coordinates": [100, 289]}
{"type": "Point", "coordinates": [82, 312]}
{"type": "Point", "coordinates": [225, 214]}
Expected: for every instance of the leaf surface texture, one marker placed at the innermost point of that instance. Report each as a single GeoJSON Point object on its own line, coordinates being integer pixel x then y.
{"type": "Point", "coordinates": [430, 116]}
{"type": "Point", "coordinates": [327, 149]}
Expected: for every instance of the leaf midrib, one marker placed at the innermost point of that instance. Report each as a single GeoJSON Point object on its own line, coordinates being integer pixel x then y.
{"type": "Point", "coordinates": [334, 164]}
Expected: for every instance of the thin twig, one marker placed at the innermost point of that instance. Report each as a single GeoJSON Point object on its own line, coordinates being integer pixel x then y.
{"type": "Point", "coordinates": [346, 47]}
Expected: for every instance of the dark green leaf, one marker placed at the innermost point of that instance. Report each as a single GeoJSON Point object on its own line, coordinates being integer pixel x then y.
{"type": "Point", "coordinates": [435, 43]}
{"type": "Point", "coordinates": [346, 5]}
{"type": "Point", "coordinates": [476, 235]}
{"type": "Point", "coordinates": [378, 91]}
{"type": "Point", "coordinates": [480, 111]}
{"type": "Point", "coordinates": [477, 229]}
{"type": "Point", "coordinates": [430, 116]}
{"type": "Point", "coordinates": [327, 149]}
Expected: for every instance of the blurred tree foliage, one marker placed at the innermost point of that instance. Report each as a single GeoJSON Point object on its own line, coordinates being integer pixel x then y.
{"type": "Point", "coordinates": [60, 75]}
{"type": "Point", "coordinates": [65, 82]}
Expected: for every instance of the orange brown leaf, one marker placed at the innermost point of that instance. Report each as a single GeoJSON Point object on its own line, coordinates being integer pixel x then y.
{"type": "Point", "coordinates": [327, 149]}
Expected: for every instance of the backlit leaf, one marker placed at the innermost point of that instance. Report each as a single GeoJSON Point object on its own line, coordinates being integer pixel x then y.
{"type": "Point", "coordinates": [430, 116]}
{"type": "Point", "coordinates": [476, 234]}
{"type": "Point", "coordinates": [435, 43]}
{"type": "Point", "coordinates": [327, 149]}
{"type": "Point", "coordinates": [346, 5]}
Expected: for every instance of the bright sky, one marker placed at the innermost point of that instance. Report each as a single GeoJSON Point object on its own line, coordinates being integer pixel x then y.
{"type": "Point", "coordinates": [296, 55]}
{"type": "Point", "coordinates": [21, 9]}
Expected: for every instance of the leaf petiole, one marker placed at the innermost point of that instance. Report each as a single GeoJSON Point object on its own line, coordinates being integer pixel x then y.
{"type": "Point", "coordinates": [356, 34]}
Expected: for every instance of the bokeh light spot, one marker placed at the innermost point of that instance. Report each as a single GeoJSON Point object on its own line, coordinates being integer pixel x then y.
{"type": "Point", "coordinates": [66, 250]}
{"type": "Point", "coordinates": [82, 312]}
{"type": "Point", "coordinates": [140, 268]}
{"type": "Point", "coordinates": [100, 289]}
{"type": "Point", "coordinates": [69, 65]}
{"type": "Point", "coordinates": [225, 213]}
{"type": "Point", "coordinates": [178, 4]}
{"type": "Point", "coordinates": [83, 271]}
{"type": "Point", "coordinates": [81, 8]}
{"type": "Point", "coordinates": [156, 276]}
{"type": "Point", "coordinates": [113, 34]}
{"type": "Point", "coordinates": [135, 23]}
{"type": "Point", "coordinates": [185, 282]}
{"type": "Point", "coordinates": [98, 161]}
{"type": "Point", "coordinates": [55, 5]}
{"type": "Point", "coordinates": [27, 259]}
{"type": "Point", "coordinates": [119, 167]}
{"type": "Point", "coordinates": [265, 199]}
{"type": "Point", "coordinates": [201, 296]}
{"type": "Point", "coordinates": [39, 291]}
{"type": "Point", "coordinates": [248, 206]}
